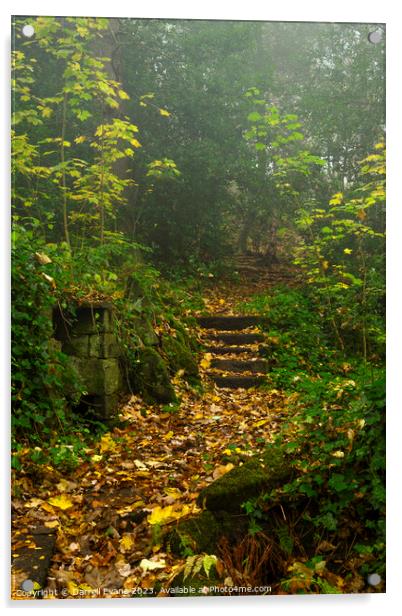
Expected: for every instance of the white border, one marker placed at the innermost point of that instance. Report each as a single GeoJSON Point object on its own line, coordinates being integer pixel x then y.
{"type": "Point", "coordinates": [384, 11]}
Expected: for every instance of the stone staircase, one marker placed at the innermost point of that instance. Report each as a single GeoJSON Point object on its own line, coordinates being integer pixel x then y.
{"type": "Point", "coordinates": [228, 337]}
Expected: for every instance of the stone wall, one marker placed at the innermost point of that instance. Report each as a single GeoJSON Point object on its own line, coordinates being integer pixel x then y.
{"type": "Point", "coordinates": [88, 337]}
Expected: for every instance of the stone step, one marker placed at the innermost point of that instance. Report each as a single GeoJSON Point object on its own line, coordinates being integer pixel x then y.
{"type": "Point", "coordinates": [235, 382]}
{"type": "Point", "coordinates": [224, 350]}
{"type": "Point", "coordinates": [229, 323]}
{"type": "Point", "coordinates": [34, 558]}
{"type": "Point", "coordinates": [236, 339]}
{"type": "Point", "coordinates": [240, 365]}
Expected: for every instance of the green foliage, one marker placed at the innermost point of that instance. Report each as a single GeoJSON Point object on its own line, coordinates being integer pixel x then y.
{"type": "Point", "coordinates": [342, 254]}
{"type": "Point", "coordinates": [334, 436]}
{"type": "Point", "coordinates": [41, 373]}
{"type": "Point", "coordinates": [75, 128]}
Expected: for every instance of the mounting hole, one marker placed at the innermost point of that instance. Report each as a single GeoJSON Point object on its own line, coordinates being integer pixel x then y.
{"type": "Point", "coordinates": [27, 585]}
{"type": "Point", "coordinates": [28, 30]}
{"type": "Point", "coordinates": [375, 36]}
{"type": "Point", "coordinates": [374, 579]}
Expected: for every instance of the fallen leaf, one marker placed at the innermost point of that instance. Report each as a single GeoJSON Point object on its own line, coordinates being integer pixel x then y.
{"type": "Point", "coordinates": [107, 443]}
{"type": "Point", "coordinates": [222, 470]}
{"type": "Point", "coordinates": [127, 542]}
{"type": "Point", "coordinates": [151, 565]}
{"type": "Point", "coordinates": [61, 502]}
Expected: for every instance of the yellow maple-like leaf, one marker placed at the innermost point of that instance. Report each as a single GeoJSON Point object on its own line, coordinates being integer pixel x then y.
{"type": "Point", "coordinates": [164, 112]}
{"type": "Point", "coordinates": [336, 199]}
{"type": "Point", "coordinates": [163, 515]}
{"type": "Point", "coordinates": [126, 542]}
{"type": "Point", "coordinates": [61, 502]}
{"type": "Point", "coordinates": [107, 443]}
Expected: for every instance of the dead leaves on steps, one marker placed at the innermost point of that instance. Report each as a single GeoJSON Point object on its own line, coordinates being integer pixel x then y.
{"type": "Point", "coordinates": [139, 477]}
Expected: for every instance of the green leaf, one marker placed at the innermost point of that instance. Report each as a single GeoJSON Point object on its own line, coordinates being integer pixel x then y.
{"type": "Point", "coordinates": [254, 116]}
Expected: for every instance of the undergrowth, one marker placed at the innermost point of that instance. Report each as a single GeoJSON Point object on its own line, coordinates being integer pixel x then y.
{"type": "Point", "coordinates": [334, 438]}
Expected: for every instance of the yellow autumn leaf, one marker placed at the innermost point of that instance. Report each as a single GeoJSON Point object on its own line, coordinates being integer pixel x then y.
{"type": "Point", "coordinates": [164, 112]}
{"type": "Point", "coordinates": [96, 458]}
{"type": "Point", "coordinates": [34, 502]}
{"type": "Point", "coordinates": [61, 502]}
{"type": "Point", "coordinates": [174, 493]}
{"type": "Point", "coordinates": [130, 508]}
{"type": "Point", "coordinates": [222, 301]}
{"type": "Point", "coordinates": [259, 423]}
{"type": "Point", "coordinates": [336, 199]}
{"type": "Point", "coordinates": [163, 515]}
{"type": "Point", "coordinates": [206, 361]}
{"type": "Point", "coordinates": [222, 470]}
{"type": "Point", "coordinates": [42, 258]}
{"type": "Point", "coordinates": [107, 443]}
{"type": "Point", "coordinates": [127, 542]}
{"type": "Point", "coordinates": [52, 524]}
{"type": "Point", "coordinates": [168, 435]}
{"type": "Point", "coordinates": [135, 143]}
{"type": "Point", "coordinates": [347, 251]}
{"type": "Point", "coordinates": [72, 588]}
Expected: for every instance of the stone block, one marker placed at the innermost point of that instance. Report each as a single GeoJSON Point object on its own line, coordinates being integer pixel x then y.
{"type": "Point", "coordinates": [76, 345]}
{"type": "Point", "coordinates": [260, 474]}
{"type": "Point", "coordinates": [104, 346]}
{"type": "Point", "coordinates": [100, 376]}
{"type": "Point", "coordinates": [104, 407]}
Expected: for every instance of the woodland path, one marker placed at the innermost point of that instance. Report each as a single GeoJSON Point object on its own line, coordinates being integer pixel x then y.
{"type": "Point", "coordinates": [98, 520]}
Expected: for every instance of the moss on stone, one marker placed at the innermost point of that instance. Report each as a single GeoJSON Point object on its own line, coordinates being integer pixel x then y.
{"type": "Point", "coordinates": [260, 474]}
{"type": "Point", "coordinates": [202, 533]}
{"type": "Point", "coordinates": [149, 376]}
{"type": "Point", "coordinates": [185, 337]}
{"type": "Point", "coordinates": [179, 356]}
{"type": "Point", "coordinates": [142, 327]}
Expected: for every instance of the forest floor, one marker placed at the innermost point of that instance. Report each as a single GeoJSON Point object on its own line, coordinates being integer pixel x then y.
{"type": "Point", "coordinates": [145, 473]}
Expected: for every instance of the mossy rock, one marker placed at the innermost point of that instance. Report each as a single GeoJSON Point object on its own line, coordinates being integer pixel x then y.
{"type": "Point", "coordinates": [142, 327]}
{"type": "Point", "coordinates": [202, 533]}
{"type": "Point", "coordinates": [260, 474]}
{"type": "Point", "coordinates": [179, 356]}
{"type": "Point", "coordinates": [149, 376]}
{"type": "Point", "coordinates": [185, 337]}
